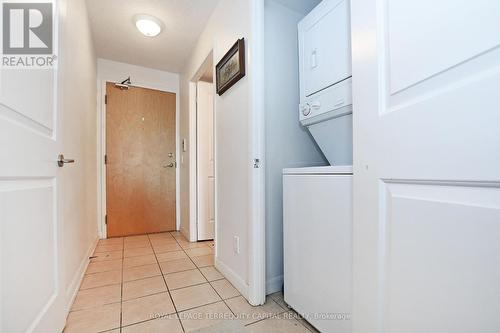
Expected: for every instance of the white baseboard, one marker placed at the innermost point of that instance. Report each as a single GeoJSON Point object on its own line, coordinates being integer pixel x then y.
{"type": "Point", "coordinates": [274, 284]}
{"type": "Point", "coordinates": [74, 286]}
{"type": "Point", "coordinates": [232, 277]}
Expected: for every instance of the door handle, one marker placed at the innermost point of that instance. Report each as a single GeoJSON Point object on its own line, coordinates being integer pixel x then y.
{"type": "Point", "coordinates": [61, 160]}
{"type": "Point", "coordinates": [170, 165]}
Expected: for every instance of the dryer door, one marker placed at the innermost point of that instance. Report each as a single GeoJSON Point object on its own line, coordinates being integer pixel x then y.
{"type": "Point", "coordinates": [324, 46]}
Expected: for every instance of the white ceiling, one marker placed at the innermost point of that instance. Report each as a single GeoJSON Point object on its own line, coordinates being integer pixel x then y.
{"type": "Point", "coordinates": [301, 6]}
{"type": "Point", "coordinates": [116, 37]}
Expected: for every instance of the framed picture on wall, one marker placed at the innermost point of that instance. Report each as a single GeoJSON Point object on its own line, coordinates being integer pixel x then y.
{"type": "Point", "coordinates": [231, 68]}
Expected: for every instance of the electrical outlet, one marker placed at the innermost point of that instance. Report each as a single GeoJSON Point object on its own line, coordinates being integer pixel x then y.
{"type": "Point", "coordinates": [236, 245]}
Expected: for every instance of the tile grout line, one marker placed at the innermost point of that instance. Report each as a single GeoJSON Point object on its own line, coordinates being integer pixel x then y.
{"type": "Point", "coordinates": [209, 283]}
{"type": "Point", "coordinates": [116, 270]}
{"type": "Point", "coordinates": [104, 285]}
{"type": "Point", "coordinates": [166, 285]}
{"type": "Point", "coordinates": [122, 282]}
{"type": "Point", "coordinates": [105, 304]}
{"type": "Point", "coordinates": [163, 277]}
{"type": "Point", "coordinates": [199, 270]}
{"type": "Point", "coordinates": [153, 294]}
{"type": "Point", "coordinates": [281, 313]}
{"type": "Point", "coordinates": [200, 306]}
{"type": "Point", "coordinates": [154, 276]}
{"type": "Point", "coordinates": [302, 322]}
{"type": "Point", "coordinates": [178, 240]}
{"type": "Point", "coordinates": [178, 314]}
{"type": "Point", "coordinates": [184, 270]}
{"type": "Point", "coordinates": [222, 298]}
{"type": "Point", "coordinates": [271, 316]}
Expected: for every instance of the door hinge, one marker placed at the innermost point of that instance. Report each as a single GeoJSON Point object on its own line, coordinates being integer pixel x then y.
{"type": "Point", "coordinates": [106, 219]}
{"type": "Point", "coordinates": [105, 99]}
{"type": "Point", "coordinates": [106, 159]}
{"type": "Point", "coordinates": [256, 163]}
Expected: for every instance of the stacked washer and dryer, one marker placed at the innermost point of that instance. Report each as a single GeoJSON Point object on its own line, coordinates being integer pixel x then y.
{"type": "Point", "coordinates": [317, 216]}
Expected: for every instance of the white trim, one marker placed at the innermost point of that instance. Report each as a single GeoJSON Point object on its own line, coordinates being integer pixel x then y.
{"type": "Point", "coordinates": [156, 84]}
{"type": "Point", "coordinates": [192, 234]}
{"type": "Point", "coordinates": [274, 284]}
{"type": "Point", "coordinates": [216, 167]}
{"type": "Point", "coordinates": [74, 286]}
{"type": "Point", "coordinates": [232, 277]}
{"type": "Point", "coordinates": [203, 195]}
{"type": "Point", "coordinates": [177, 157]}
{"type": "Point", "coordinates": [101, 150]}
{"type": "Point", "coordinates": [192, 148]}
{"type": "Point", "coordinates": [257, 227]}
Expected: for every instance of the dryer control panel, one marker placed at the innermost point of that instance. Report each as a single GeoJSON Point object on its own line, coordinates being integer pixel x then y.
{"type": "Point", "coordinates": [332, 102]}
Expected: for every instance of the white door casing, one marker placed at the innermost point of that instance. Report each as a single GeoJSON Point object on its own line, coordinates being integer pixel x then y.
{"type": "Point", "coordinates": [426, 78]}
{"type": "Point", "coordinates": [205, 161]}
{"type": "Point", "coordinates": [31, 287]}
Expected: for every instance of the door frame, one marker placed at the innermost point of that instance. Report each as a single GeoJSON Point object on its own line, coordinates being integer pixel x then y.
{"type": "Point", "coordinates": [197, 136]}
{"type": "Point", "coordinates": [101, 148]}
{"type": "Point", "coordinates": [257, 225]}
{"type": "Point", "coordinates": [193, 151]}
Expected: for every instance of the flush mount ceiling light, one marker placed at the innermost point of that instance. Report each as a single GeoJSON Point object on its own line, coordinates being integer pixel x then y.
{"type": "Point", "coordinates": [148, 25]}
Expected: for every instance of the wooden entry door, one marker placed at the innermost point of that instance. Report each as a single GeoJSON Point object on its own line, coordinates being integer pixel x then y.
{"type": "Point", "coordinates": [140, 169]}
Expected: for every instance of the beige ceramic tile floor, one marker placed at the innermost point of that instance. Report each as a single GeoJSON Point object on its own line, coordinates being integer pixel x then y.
{"type": "Point", "coordinates": [163, 283]}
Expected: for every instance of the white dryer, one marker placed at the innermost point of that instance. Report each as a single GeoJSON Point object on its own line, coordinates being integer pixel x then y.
{"type": "Point", "coordinates": [326, 79]}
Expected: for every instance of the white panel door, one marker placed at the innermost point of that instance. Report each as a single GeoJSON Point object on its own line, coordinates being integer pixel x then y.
{"type": "Point", "coordinates": [32, 293]}
{"type": "Point", "coordinates": [205, 161]}
{"type": "Point", "coordinates": [426, 84]}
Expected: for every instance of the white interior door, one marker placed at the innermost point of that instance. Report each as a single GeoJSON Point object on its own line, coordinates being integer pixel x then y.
{"type": "Point", "coordinates": [205, 161]}
{"type": "Point", "coordinates": [32, 293]}
{"type": "Point", "coordinates": [426, 83]}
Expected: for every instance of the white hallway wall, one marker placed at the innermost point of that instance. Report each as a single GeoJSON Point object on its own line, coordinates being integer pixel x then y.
{"type": "Point", "coordinates": [112, 71]}
{"type": "Point", "coordinates": [77, 70]}
{"type": "Point", "coordinates": [288, 144]}
{"type": "Point", "coordinates": [230, 21]}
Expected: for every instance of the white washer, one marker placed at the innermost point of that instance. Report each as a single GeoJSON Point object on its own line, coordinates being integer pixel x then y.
{"type": "Point", "coordinates": [317, 232]}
